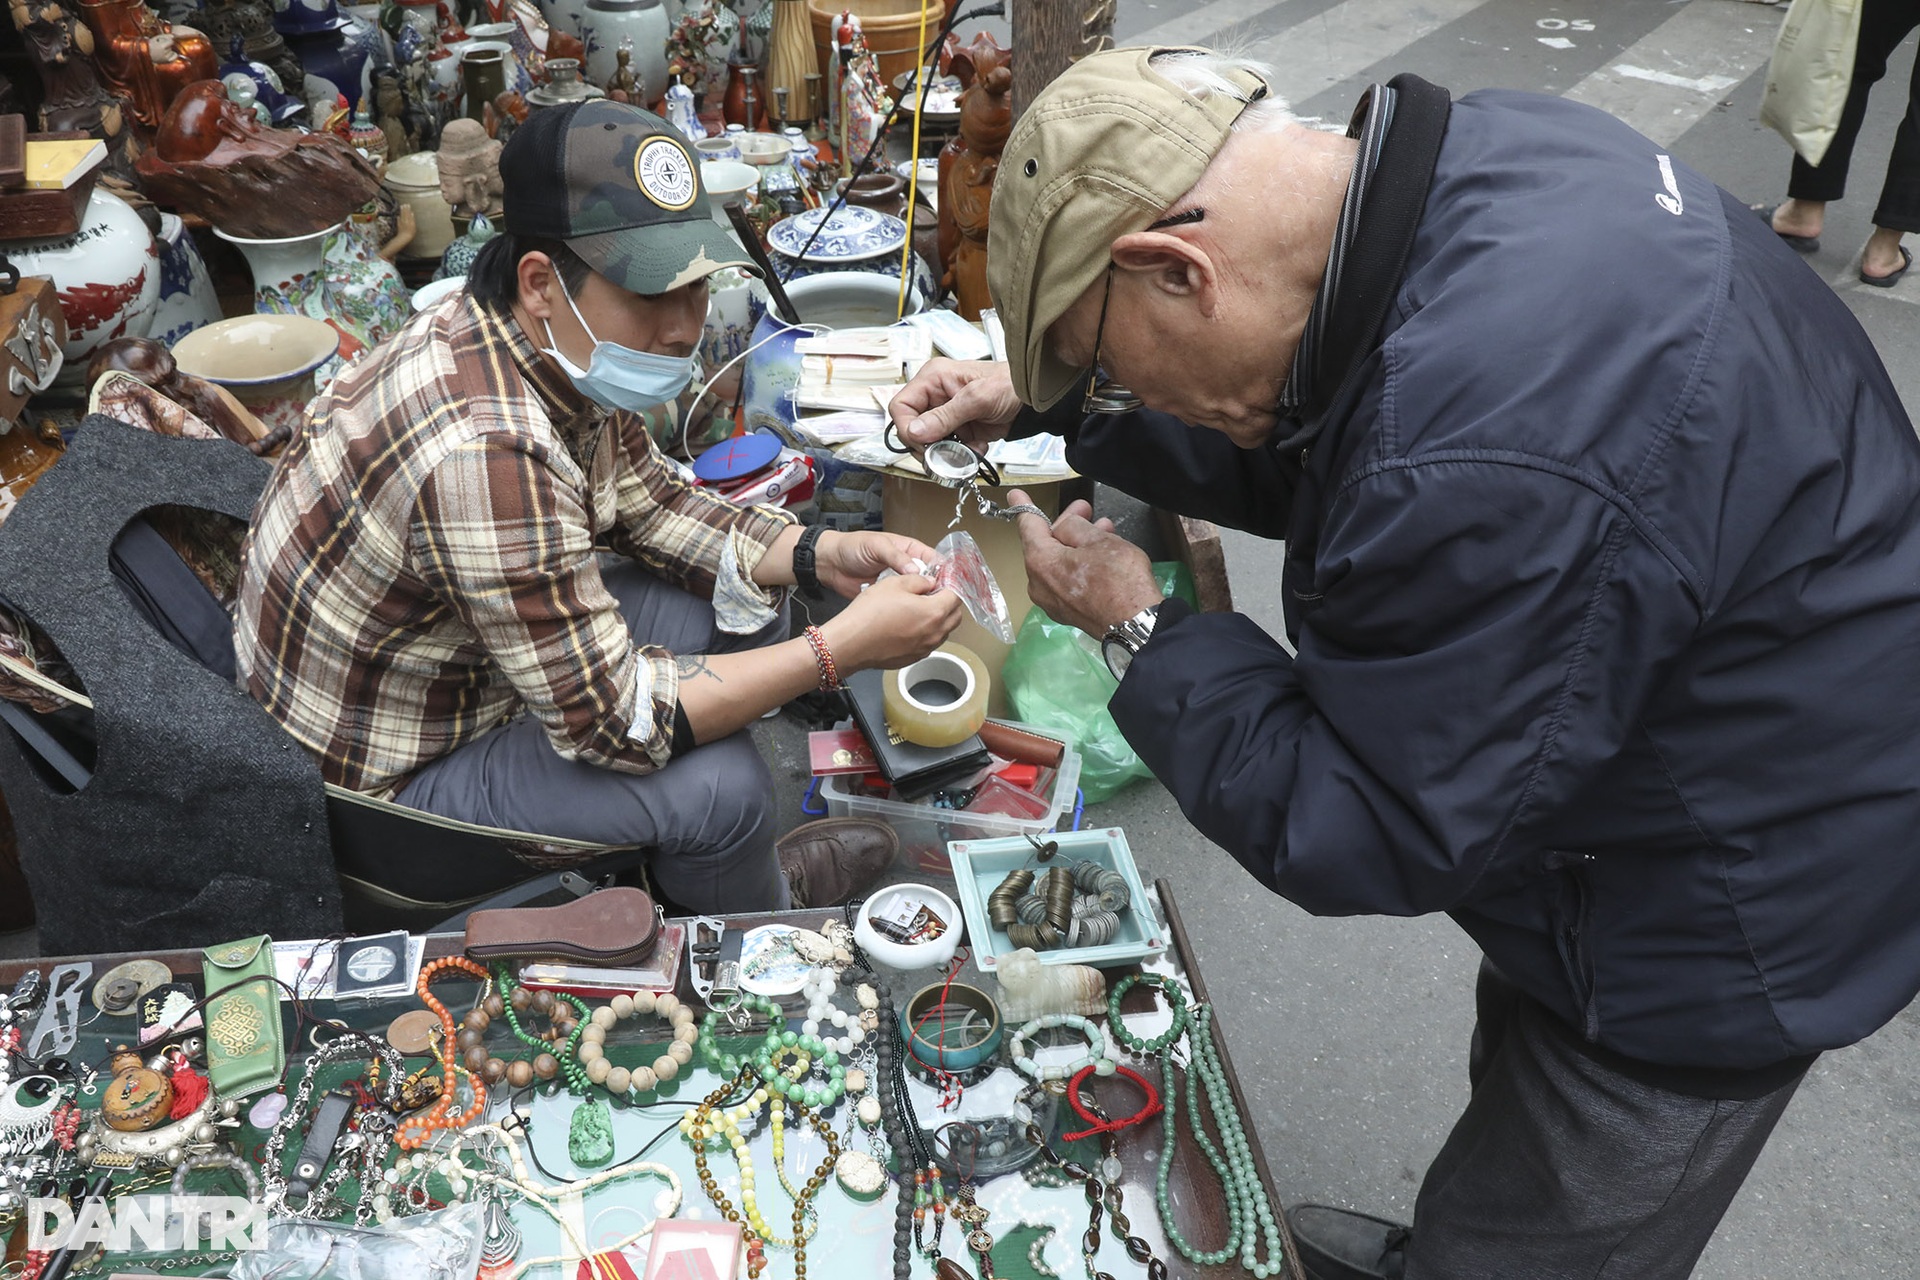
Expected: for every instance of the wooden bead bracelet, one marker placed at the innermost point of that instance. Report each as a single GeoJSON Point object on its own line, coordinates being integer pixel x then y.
{"type": "Point", "coordinates": [621, 1080]}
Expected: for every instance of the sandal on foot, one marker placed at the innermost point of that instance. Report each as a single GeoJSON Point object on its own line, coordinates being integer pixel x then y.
{"type": "Point", "coordinates": [1892, 278]}
{"type": "Point", "coordinates": [1799, 244]}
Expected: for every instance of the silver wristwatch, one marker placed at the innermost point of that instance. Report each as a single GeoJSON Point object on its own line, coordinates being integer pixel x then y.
{"type": "Point", "coordinates": [1124, 639]}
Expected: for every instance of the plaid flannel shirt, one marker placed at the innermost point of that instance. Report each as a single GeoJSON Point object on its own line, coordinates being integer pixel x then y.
{"type": "Point", "coordinates": [421, 567]}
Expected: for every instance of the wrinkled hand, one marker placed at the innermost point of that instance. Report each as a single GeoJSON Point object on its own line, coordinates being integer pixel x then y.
{"type": "Point", "coordinates": [1083, 573]}
{"type": "Point", "coordinates": [848, 561]}
{"type": "Point", "coordinates": [892, 623]}
{"type": "Point", "coordinates": [971, 400]}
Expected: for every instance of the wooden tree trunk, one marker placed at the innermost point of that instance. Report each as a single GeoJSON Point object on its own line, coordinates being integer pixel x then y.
{"type": "Point", "coordinates": [1051, 35]}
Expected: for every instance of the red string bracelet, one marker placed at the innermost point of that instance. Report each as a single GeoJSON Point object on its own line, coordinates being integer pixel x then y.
{"type": "Point", "coordinates": [1148, 1109]}
{"type": "Point", "coordinates": [823, 656]}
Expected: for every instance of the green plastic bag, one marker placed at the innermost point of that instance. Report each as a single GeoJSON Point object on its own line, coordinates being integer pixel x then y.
{"type": "Point", "coordinates": [1056, 680]}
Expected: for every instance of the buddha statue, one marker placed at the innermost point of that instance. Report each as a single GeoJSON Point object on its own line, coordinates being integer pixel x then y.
{"type": "Point", "coordinates": [470, 169]}
{"type": "Point", "coordinates": [144, 60]}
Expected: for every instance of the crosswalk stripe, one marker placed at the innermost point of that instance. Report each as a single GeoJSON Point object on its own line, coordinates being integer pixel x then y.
{"type": "Point", "coordinates": [1196, 22]}
{"type": "Point", "coordinates": [1344, 41]}
{"type": "Point", "coordinates": [1664, 83]}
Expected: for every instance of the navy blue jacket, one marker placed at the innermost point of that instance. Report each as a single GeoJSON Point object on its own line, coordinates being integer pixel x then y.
{"type": "Point", "coordinates": [1603, 568]}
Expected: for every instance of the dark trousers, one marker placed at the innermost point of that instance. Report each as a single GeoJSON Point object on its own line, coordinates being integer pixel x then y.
{"type": "Point", "coordinates": [1562, 1166]}
{"type": "Point", "coordinates": [710, 813]}
{"type": "Point", "coordinates": [1883, 25]}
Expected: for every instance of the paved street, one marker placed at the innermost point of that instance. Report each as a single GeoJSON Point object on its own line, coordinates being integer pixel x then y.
{"type": "Point", "coordinates": [1353, 1033]}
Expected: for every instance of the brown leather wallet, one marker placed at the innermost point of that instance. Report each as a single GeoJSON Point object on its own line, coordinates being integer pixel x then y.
{"type": "Point", "coordinates": [616, 926]}
{"type": "Point", "coordinates": [1022, 745]}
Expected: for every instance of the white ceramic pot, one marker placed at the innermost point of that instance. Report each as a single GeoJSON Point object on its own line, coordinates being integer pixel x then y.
{"type": "Point", "coordinates": [267, 361]}
{"type": "Point", "coordinates": [287, 275]}
{"type": "Point", "coordinates": [187, 299]}
{"type": "Point", "coordinates": [604, 24]}
{"type": "Point", "coordinates": [415, 181]}
{"type": "Point", "coordinates": [108, 278]}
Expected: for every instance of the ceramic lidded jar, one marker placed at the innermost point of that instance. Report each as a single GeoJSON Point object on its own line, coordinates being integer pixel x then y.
{"type": "Point", "coordinates": [415, 181]}
{"type": "Point", "coordinates": [645, 23]}
{"type": "Point", "coordinates": [108, 277]}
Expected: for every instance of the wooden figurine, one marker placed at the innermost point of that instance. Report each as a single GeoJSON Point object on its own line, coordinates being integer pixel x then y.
{"type": "Point", "coordinates": [967, 168]}
{"type": "Point", "coordinates": [211, 159]}
{"type": "Point", "coordinates": [74, 96]}
{"type": "Point", "coordinates": [143, 59]}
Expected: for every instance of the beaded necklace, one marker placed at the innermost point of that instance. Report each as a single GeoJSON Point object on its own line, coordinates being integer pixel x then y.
{"type": "Point", "coordinates": [1108, 1196]}
{"type": "Point", "coordinates": [1250, 1214]}
{"type": "Point", "coordinates": [700, 1130]}
{"type": "Point", "coordinates": [415, 1130]}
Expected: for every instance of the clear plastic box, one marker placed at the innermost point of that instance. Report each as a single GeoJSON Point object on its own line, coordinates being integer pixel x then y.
{"type": "Point", "coordinates": [924, 830]}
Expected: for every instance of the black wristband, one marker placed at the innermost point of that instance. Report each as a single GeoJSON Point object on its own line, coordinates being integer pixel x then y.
{"type": "Point", "coordinates": [682, 733]}
{"type": "Point", "coordinates": [803, 570]}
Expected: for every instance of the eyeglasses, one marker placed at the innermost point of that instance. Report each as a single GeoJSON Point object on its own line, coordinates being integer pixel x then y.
{"type": "Point", "coordinates": [1103, 394]}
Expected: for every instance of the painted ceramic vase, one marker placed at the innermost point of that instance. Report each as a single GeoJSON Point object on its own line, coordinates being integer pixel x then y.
{"type": "Point", "coordinates": [645, 23]}
{"type": "Point", "coordinates": [267, 361]}
{"type": "Point", "coordinates": [563, 15]}
{"type": "Point", "coordinates": [287, 272]}
{"type": "Point", "coordinates": [187, 299]}
{"type": "Point", "coordinates": [836, 300]}
{"type": "Point", "coordinates": [681, 115]}
{"type": "Point", "coordinates": [856, 239]}
{"type": "Point", "coordinates": [107, 275]}
{"type": "Point", "coordinates": [724, 147]}
{"type": "Point", "coordinates": [364, 292]}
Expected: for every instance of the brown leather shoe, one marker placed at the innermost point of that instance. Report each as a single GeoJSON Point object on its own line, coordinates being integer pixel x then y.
{"type": "Point", "coordinates": [833, 860]}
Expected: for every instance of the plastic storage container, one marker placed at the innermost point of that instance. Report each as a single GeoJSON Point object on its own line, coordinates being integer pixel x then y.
{"type": "Point", "coordinates": [924, 831]}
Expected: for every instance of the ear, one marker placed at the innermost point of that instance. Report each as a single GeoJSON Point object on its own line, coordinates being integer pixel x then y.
{"type": "Point", "coordinates": [534, 275]}
{"type": "Point", "coordinates": [1175, 266]}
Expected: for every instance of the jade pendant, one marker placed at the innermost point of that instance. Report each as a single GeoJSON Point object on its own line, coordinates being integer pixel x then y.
{"type": "Point", "coordinates": [590, 1135]}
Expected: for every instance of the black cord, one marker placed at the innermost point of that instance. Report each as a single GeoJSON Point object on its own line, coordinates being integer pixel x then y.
{"type": "Point", "coordinates": [533, 1149]}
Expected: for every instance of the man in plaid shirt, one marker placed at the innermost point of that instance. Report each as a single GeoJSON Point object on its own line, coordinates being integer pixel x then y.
{"type": "Point", "coordinates": [423, 604]}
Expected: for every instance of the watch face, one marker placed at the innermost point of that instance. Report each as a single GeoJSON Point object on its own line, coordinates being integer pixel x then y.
{"type": "Point", "coordinates": [1118, 656]}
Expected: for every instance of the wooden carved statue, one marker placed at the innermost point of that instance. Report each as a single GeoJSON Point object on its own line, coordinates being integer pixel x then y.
{"type": "Point", "coordinates": [967, 168]}
{"type": "Point", "coordinates": [74, 97]}
{"type": "Point", "coordinates": [151, 364]}
{"type": "Point", "coordinates": [212, 159]}
{"type": "Point", "coordinates": [143, 59]}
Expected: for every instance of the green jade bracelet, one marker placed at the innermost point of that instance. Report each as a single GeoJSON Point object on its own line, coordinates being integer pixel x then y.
{"type": "Point", "coordinates": [1249, 1213]}
{"type": "Point", "coordinates": [807, 1049]}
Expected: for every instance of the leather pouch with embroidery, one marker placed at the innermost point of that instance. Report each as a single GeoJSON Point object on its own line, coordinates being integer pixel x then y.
{"type": "Point", "coordinates": [246, 1046]}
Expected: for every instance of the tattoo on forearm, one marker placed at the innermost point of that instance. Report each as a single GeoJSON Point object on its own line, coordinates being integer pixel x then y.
{"type": "Point", "coordinates": [696, 664]}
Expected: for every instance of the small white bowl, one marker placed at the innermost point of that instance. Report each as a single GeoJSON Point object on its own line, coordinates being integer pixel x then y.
{"type": "Point", "coordinates": [428, 294]}
{"type": "Point", "coordinates": [909, 955]}
{"type": "Point", "coordinates": [256, 350]}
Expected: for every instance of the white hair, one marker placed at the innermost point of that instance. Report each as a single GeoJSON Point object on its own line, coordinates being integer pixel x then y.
{"type": "Point", "coordinates": [1205, 74]}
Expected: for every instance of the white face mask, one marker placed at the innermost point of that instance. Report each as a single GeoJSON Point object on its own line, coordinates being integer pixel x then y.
{"type": "Point", "coordinates": [620, 377]}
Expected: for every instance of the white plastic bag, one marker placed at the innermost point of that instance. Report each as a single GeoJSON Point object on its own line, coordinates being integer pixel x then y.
{"type": "Point", "coordinates": [1811, 71]}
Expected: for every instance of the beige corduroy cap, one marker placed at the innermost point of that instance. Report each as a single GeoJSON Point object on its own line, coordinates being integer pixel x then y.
{"type": "Point", "coordinates": [1103, 150]}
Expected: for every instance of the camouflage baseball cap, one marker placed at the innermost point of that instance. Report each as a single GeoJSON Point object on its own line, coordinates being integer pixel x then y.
{"type": "Point", "coordinates": [622, 188]}
{"type": "Point", "coordinates": [1103, 150]}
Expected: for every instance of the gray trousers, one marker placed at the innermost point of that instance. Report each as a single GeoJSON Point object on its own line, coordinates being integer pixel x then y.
{"type": "Point", "coordinates": [710, 813]}
{"type": "Point", "coordinates": [1562, 1166]}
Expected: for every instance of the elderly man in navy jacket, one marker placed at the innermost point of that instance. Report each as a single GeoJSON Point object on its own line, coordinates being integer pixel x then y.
{"type": "Point", "coordinates": [1602, 563]}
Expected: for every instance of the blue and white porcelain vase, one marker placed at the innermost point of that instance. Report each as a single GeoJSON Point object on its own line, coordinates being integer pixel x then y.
{"type": "Point", "coordinates": [187, 299]}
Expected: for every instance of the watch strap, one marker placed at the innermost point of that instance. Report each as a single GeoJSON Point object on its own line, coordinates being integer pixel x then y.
{"type": "Point", "coordinates": [804, 571]}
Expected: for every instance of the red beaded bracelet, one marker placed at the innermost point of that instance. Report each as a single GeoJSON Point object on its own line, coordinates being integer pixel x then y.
{"type": "Point", "coordinates": [1148, 1109]}
{"type": "Point", "coordinates": [829, 674]}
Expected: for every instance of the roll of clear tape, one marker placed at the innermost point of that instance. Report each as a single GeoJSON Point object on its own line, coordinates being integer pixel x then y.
{"type": "Point", "coordinates": [937, 722]}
